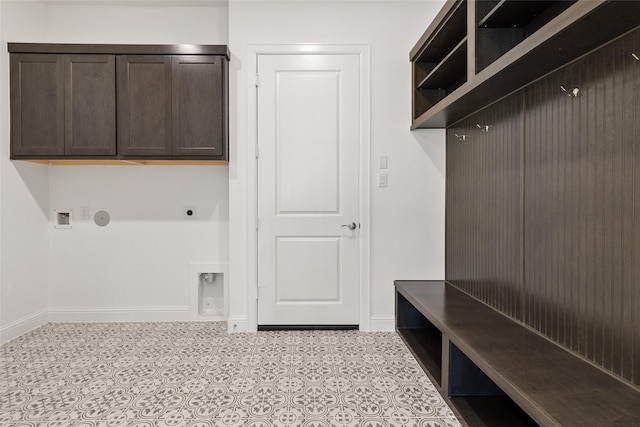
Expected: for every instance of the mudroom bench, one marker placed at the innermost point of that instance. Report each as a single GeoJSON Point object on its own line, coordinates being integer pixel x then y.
{"type": "Point", "coordinates": [496, 371]}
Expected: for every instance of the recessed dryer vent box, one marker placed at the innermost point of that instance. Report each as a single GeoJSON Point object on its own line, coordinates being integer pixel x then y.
{"type": "Point", "coordinates": [63, 218]}
{"type": "Point", "coordinates": [211, 294]}
{"type": "Point", "coordinates": [208, 291]}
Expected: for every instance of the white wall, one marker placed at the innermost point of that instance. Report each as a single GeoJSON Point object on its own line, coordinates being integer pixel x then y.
{"type": "Point", "coordinates": [407, 218]}
{"type": "Point", "coordinates": [138, 22]}
{"type": "Point", "coordinates": [23, 197]}
{"type": "Point", "coordinates": [137, 268]}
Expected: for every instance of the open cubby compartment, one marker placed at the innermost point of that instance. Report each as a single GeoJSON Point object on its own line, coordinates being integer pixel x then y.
{"type": "Point", "coordinates": [440, 64]}
{"type": "Point", "coordinates": [502, 25]}
{"type": "Point", "coordinates": [424, 99]}
{"type": "Point", "coordinates": [478, 399]}
{"type": "Point", "coordinates": [444, 38]}
{"type": "Point", "coordinates": [435, 81]}
{"type": "Point", "coordinates": [423, 339]}
{"type": "Point", "coordinates": [447, 74]}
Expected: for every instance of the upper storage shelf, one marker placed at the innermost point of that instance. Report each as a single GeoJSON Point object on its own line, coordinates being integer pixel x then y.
{"type": "Point", "coordinates": [442, 39]}
{"type": "Point", "coordinates": [478, 51]}
{"type": "Point", "coordinates": [509, 13]}
{"type": "Point", "coordinates": [502, 25]}
{"type": "Point", "coordinates": [440, 60]}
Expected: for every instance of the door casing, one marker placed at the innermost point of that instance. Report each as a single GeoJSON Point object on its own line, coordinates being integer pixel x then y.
{"type": "Point", "coordinates": [253, 52]}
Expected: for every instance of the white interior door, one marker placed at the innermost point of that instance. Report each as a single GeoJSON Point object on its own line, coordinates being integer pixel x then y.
{"type": "Point", "coordinates": [308, 169]}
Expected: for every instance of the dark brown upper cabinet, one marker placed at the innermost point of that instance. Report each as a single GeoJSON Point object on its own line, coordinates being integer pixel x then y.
{"type": "Point", "coordinates": [198, 101]}
{"type": "Point", "coordinates": [144, 105]}
{"type": "Point", "coordinates": [37, 105]}
{"type": "Point", "coordinates": [63, 105]}
{"type": "Point", "coordinates": [476, 52]}
{"type": "Point", "coordinates": [111, 103]}
{"type": "Point", "coordinates": [172, 106]}
{"type": "Point", "coordinates": [90, 105]}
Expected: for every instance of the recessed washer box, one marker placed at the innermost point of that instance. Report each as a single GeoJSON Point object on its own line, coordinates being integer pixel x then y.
{"type": "Point", "coordinates": [64, 218]}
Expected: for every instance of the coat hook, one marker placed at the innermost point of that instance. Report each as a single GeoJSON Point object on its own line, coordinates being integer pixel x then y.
{"type": "Point", "coordinates": [462, 137]}
{"type": "Point", "coordinates": [635, 57]}
{"type": "Point", "coordinates": [573, 93]}
{"type": "Point", "coordinates": [483, 128]}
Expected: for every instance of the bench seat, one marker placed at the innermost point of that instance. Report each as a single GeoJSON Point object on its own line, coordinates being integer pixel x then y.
{"type": "Point", "coordinates": [551, 384]}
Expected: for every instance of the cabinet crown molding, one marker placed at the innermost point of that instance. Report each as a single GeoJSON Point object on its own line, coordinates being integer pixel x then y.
{"type": "Point", "coordinates": [121, 49]}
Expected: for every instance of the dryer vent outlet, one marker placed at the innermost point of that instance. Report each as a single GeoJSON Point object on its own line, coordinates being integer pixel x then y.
{"type": "Point", "coordinates": [211, 294]}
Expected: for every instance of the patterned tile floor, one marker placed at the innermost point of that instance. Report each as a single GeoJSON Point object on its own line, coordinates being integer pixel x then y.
{"type": "Point", "coordinates": [195, 374]}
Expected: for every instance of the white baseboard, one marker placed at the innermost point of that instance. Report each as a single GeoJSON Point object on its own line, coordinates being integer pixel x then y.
{"type": "Point", "coordinates": [119, 314]}
{"type": "Point", "coordinates": [136, 314]}
{"type": "Point", "coordinates": [238, 324]}
{"type": "Point", "coordinates": [377, 324]}
{"type": "Point", "coordinates": [24, 325]}
{"type": "Point", "coordinates": [382, 323]}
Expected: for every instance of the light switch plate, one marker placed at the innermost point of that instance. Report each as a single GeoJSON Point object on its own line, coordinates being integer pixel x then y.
{"type": "Point", "coordinates": [382, 180]}
{"type": "Point", "coordinates": [383, 162]}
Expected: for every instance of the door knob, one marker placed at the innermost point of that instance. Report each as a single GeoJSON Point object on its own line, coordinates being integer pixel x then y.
{"type": "Point", "coordinates": [351, 226]}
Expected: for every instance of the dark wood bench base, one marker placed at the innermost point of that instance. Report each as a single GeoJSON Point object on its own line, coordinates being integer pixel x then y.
{"type": "Point", "coordinates": [497, 372]}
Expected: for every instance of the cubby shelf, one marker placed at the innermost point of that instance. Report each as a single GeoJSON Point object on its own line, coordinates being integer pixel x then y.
{"type": "Point", "coordinates": [446, 89]}
{"type": "Point", "coordinates": [442, 39]}
{"type": "Point", "coordinates": [439, 60]}
{"type": "Point", "coordinates": [509, 13]}
{"type": "Point", "coordinates": [449, 70]}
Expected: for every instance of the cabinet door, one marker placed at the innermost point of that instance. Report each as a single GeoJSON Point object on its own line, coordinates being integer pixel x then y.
{"type": "Point", "coordinates": [199, 106]}
{"type": "Point", "coordinates": [90, 104]}
{"type": "Point", "coordinates": [37, 105]}
{"type": "Point", "coordinates": [144, 105]}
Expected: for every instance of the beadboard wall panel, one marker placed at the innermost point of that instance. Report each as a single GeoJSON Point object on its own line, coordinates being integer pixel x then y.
{"type": "Point", "coordinates": [552, 224]}
{"type": "Point", "coordinates": [581, 202]}
{"type": "Point", "coordinates": [483, 205]}
{"type": "Point", "coordinates": [631, 228]}
{"type": "Point", "coordinates": [554, 238]}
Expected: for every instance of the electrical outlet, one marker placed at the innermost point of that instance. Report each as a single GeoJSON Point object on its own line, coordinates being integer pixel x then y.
{"type": "Point", "coordinates": [190, 212]}
{"type": "Point", "coordinates": [84, 212]}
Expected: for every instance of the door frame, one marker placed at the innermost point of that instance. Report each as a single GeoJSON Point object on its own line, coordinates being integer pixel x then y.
{"type": "Point", "coordinates": [364, 202]}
